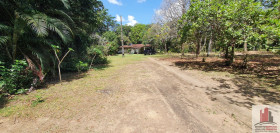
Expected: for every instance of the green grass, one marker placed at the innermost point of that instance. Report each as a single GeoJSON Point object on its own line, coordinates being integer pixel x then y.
{"type": "Point", "coordinates": [118, 60]}
{"type": "Point", "coordinates": [54, 99]}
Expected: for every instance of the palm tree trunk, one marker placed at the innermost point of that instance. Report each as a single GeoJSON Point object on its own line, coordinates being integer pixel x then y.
{"type": "Point", "coordinates": [15, 36]}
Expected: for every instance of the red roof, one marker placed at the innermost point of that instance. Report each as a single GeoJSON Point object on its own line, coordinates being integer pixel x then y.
{"type": "Point", "coordinates": [136, 46]}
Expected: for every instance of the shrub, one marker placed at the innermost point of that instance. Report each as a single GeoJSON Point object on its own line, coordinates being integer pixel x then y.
{"type": "Point", "coordinates": [81, 66]}
{"type": "Point", "coordinates": [69, 65]}
{"type": "Point", "coordinates": [99, 60]}
{"type": "Point", "coordinates": [16, 79]}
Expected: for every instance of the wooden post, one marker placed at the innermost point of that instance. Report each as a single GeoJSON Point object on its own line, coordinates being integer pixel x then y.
{"type": "Point", "coordinates": [122, 38]}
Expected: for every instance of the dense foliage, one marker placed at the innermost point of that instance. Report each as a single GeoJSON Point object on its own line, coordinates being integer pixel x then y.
{"type": "Point", "coordinates": [29, 29]}
{"type": "Point", "coordinates": [226, 25]}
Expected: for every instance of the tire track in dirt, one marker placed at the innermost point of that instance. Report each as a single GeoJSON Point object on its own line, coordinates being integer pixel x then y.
{"type": "Point", "coordinates": [187, 97]}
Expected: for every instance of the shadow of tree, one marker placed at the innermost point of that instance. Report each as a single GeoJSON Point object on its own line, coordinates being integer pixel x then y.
{"type": "Point", "coordinates": [260, 68]}
{"type": "Point", "coordinates": [266, 67]}
{"type": "Point", "coordinates": [66, 77]}
{"type": "Point", "coordinates": [3, 101]}
{"type": "Point", "coordinates": [249, 89]}
{"type": "Point", "coordinates": [70, 76]}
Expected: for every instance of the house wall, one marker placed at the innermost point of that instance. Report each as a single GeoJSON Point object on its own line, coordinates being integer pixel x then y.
{"type": "Point", "coordinates": [134, 50]}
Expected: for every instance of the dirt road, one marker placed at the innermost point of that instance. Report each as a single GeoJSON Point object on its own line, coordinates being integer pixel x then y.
{"type": "Point", "coordinates": [150, 96]}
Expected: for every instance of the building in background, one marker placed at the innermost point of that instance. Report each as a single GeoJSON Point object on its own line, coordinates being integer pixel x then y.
{"type": "Point", "coordinates": [135, 48]}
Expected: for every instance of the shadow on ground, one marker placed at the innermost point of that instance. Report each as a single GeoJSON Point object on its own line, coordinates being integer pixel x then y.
{"type": "Point", "coordinates": [3, 101]}
{"type": "Point", "coordinates": [66, 77]}
{"type": "Point", "coordinates": [70, 76]}
{"type": "Point", "coordinates": [261, 71]}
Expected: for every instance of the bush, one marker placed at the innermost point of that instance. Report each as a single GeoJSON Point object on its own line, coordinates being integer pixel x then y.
{"type": "Point", "coordinates": [74, 66]}
{"type": "Point", "coordinates": [69, 65]}
{"type": "Point", "coordinates": [16, 79]}
{"type": "Point", "coordinates": [81, 66]}
{"type": "Point", "coordinates": [277, 52]}
{"type": "Point", "coordinates": [100, 60]}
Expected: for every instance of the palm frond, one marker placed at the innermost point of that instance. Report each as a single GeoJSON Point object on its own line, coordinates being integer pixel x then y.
{"type": "Point", "coordinates": [65, 3]}
{"type": "Point", "coordinates": [41, 23]}
{"type": "Point", "coordinates": [4, 39]}
{"type": "Point", "coordinates": [4, 27]}
{"type": "Point", "coordinates": [62, 14]}
{"type": "Point", "coordinates": [39, 49]}
{"type": "Point", "coordinates": [45, 57]}
{"type": "Point", "coordinates": [37, 23]}
{"type": "Point", "coordinates": [60, 28]}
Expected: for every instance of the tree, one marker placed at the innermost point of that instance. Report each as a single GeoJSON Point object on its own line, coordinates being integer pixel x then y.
{"type": "Point", "coordinates": [28, 25]}
{"type": "Point", "coordinates": [137, 33]}
{"type": "Point", "coordinates": [168, 15]}
{"type": "Point", "coordinates": [228, 24]}
{"type": "Point", "coordinates": [56, 49]}
{"type": "Point", "coordinates": [29, 28]}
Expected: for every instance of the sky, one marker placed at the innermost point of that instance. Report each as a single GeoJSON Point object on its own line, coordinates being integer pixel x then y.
{"type": "Point", "coordinates": [132, 11]}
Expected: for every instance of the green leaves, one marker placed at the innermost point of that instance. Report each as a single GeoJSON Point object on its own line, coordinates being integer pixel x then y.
{"type": "Point", "coordinates": [55, 47]}
{"type": "Point", "coordinates": [4, 27]}
{"type": "Point", "coordinates": [15, 80]}
{"type": "Point", "coordinates": [4, 39]}
{"type": "Point", "coordinates": [137, 33]}
{"type": "Point", "coordinates": [29, 28]}
{"type": "Point", "coordinates": [231, 22]}
{"type": "Point", "coordinates": [70, 49]}
{"type": "Point", "coordinates": [40, 23]}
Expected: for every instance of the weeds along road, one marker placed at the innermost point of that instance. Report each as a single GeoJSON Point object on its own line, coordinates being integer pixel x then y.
{"type": "Point", "coordinates": [148, 95]}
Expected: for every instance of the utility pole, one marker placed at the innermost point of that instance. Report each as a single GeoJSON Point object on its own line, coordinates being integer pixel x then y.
{"type": "Point", "coordinates": [122, 38]}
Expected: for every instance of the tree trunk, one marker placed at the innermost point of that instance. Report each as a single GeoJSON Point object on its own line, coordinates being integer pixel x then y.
{"type": "Point", "coordinates": [35, 80]}
{"type": "Point", "coordinates": [91, 61]}
{"type": "Point", "coordinates": [59, 73]}
{"type": "Point", "coordinates": [165, 47]}
{"type": "Point", "coordinates": [232, 54]}
{"type": "Point", "coordinates": [245, 45]}
{"type": "Point", "coordinates": [198, 47]}
{"type": "Point", "coordinates": [60, 61]}
{"type": "Point", "coordinates": [205, 40]}
{"type": "Point", "coordinates": [226, 55]}
{"type": "Point", "coordinates": [204, 43]}
{"type": "Point", "coordinates": [15, 36]}
{"type": "Point", "coordinates": [209, 46]}
{"type": "Point", "coordinates": [8, 53]}
{"type": "Point", "coordinates": [182, 50]}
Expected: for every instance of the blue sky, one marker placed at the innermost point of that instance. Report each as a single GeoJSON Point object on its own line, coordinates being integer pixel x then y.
{"type": "Point", "coordinates": [133, 11]}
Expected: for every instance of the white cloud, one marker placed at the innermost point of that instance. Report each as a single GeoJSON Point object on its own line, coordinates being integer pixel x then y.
{"type": "Point", "coordinates": [116, 2]}
{"type": "Point", "coordinates": [131, 21]}
{"type": "Point", "coordinates": [118, 18]}
{"type": "Point", "coordinates": [141, 1]}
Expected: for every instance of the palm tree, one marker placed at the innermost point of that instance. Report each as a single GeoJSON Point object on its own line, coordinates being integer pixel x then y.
{"type": "Point", "coordinates": [28, 32]}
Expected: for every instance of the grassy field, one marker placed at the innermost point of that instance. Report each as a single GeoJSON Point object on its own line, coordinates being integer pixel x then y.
{"type": "Point", "coordinates": [55, 98]}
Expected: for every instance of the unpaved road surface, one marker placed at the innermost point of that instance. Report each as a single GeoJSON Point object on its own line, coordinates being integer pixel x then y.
{"type": "Point", "coordinates": [151, 96]}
